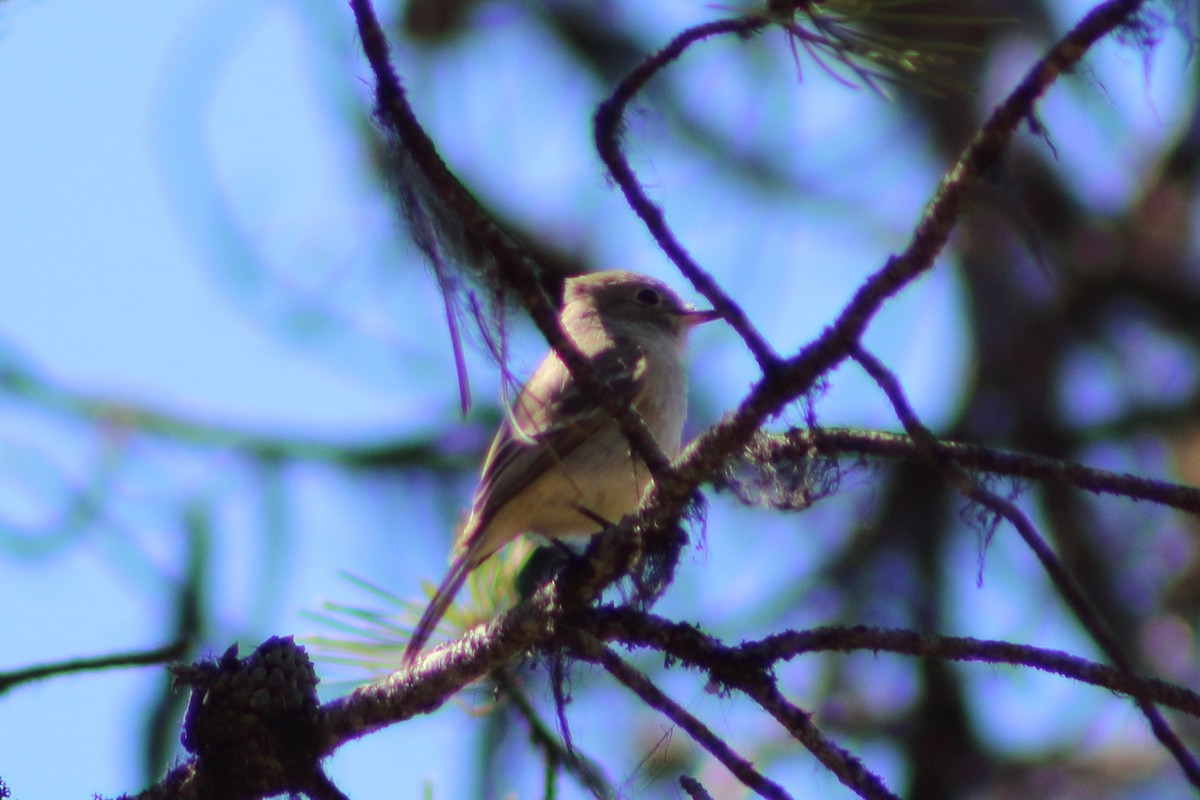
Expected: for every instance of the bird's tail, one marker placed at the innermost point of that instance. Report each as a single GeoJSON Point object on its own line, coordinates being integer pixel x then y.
{"type": "Point", "coordinates": [438, 606]}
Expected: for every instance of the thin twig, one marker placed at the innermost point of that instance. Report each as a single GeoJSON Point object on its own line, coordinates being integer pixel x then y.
{"type": "Point", "coordinates": [582, 768]}
{"type": "Point", "coordinates": [848, 769]}
{"type": "Point", "coordinates": [695, 649]}
{"type": "Point", "coordinates": [790, 644]}
{"type": "Point", "coordinates": [639, 684]}
{"type": "Point", "coordinates": [796, 443]}
{"type": "Point", "coordinates": [751, 677]}
{"type": "Point", "coordinates": [133, 658]}
{"type": "Point", "coordinates": [607, 127]}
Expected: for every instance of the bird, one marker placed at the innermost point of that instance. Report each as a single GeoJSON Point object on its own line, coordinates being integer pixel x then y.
{"type": "Point", "coordinates": [559, 465]}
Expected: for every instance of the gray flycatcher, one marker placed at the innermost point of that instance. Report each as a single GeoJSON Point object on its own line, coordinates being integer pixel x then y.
{"type": "Point", "coordinates": [559, 463]}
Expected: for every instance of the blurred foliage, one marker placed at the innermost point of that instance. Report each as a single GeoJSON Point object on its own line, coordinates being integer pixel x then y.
{"type": "Point", "coordinates": [372, 638]}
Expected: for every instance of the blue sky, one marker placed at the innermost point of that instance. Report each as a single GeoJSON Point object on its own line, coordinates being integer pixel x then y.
{"type": "Point", "coordinates": [166, 166]}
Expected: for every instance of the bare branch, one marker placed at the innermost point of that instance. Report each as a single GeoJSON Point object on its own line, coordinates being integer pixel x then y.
{"type": "Point", "coordinates": [591, 650]}
{"type": "Point", "coordinates": [696, 649]}
{"type": "Point", "coordinates": [1063, 581]}
{"type": "Point", "coordinates": [797, 444]}
{"type": "Point", "coordinates": [132, 658]}
{"type": "Point", "coordinates": [750, 675]}
{"type": "Point", "coordinates": [607, 127]}
{"type": "Point", "coordinates": [582, 768]}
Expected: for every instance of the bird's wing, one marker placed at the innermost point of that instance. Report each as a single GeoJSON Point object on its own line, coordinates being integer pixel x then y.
{"type": "Point", "coordinates": [527, 444]}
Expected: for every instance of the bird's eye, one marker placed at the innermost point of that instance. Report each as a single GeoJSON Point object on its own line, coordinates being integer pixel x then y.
{"type": "Point", "coordinates": [648, 297]}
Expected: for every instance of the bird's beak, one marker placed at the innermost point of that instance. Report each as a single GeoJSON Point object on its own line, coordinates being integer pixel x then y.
{"type": "Point", "coordinates": [692, 317]}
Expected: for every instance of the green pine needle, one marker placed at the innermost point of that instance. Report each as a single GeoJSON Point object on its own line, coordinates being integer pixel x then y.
{"type": "Point", "coordinates": [373, 639]}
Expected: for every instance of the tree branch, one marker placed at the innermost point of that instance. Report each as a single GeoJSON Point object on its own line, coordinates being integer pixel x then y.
{"type": "Point", "coordinates": [132, 658]}
{"type": "Point", "coordinates": [1062, 579]}
{"type": "Point", "coordinates": [607, 126]}
{"type": "Point", "coordinates": [582, 768]}
{"type": "Point", "coordinates": [797, 444]}
{"type": "Point", "coordinates": [696, 649]}
{"type": "Point", "coordinates": [591, 650]}
{"type": "Point", "coordinates": [707, 454]}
